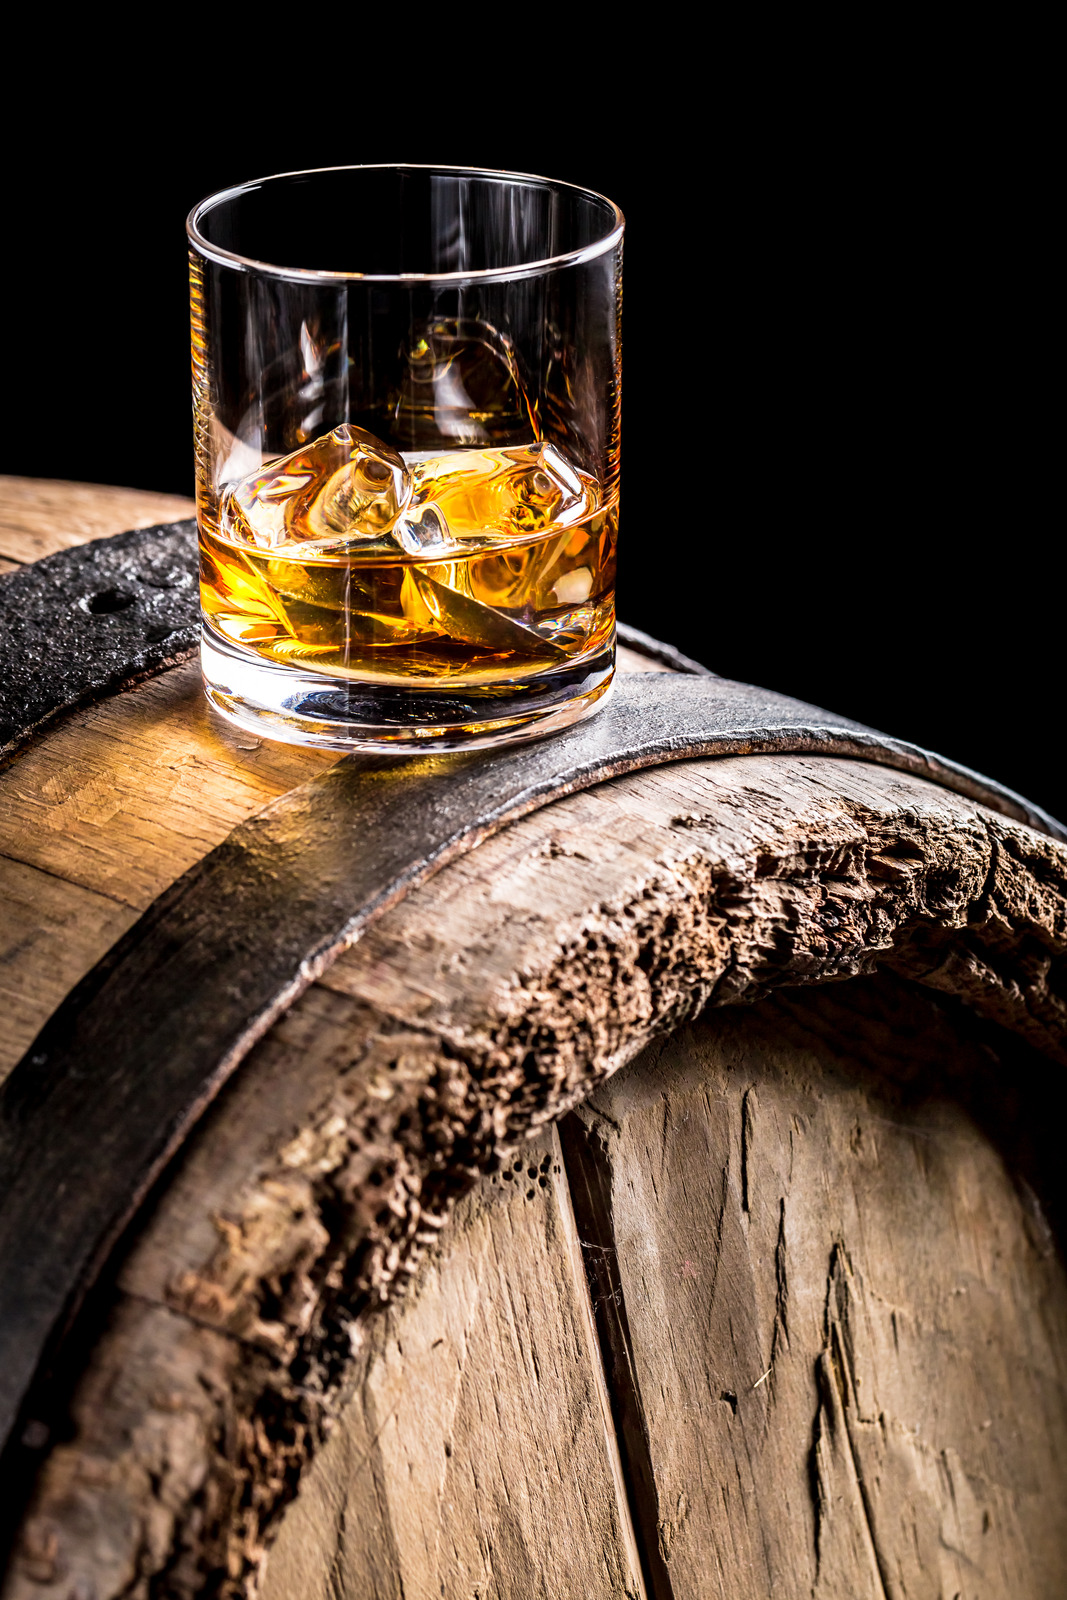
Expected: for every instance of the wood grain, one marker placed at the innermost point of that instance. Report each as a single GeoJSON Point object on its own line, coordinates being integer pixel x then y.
{"type": "Point", "coordinates": [120, 800]}
{"type": "Point", "coordinates": [505, 1306]}
{"type": "Point", "coordinates": [39, 515]}
{"type": "Point", "coordinates": [123, 797]}
{"type": "Point", "coordinates": [630, 661]}
{"type": "Point", "coordinates": [48, 926]}
{"type": "Point", "coordinates": [474, 1456]}
{"type": "Point", "coordinates": [848, 1338]}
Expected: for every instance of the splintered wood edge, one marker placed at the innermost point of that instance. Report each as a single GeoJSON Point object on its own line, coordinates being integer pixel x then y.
{"type": "Point", "coordinates": [482, 1007]}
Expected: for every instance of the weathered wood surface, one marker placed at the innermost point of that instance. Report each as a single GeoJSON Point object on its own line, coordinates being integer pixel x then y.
{"type": "Point", "coordinates": [477, 1456]}
{"type": "Point", "coordinates": [797, 1236]}
{"type": "Point", "coordinates": [846, 1321]}
{"type": "Point", "coordinates": [477, 1009]}
{"type": "Point", "coordinates": [39, 516]}
{"type": "Point", "coordinates": [240, 1345]}
{"type": "Point", "coordinates": [113, 805]}
{"type": "Point", "coordinates": [214, 962]}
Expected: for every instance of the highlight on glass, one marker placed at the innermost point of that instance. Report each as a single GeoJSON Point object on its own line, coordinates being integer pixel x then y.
{"type": "Point", "coordinates": [406, 392]}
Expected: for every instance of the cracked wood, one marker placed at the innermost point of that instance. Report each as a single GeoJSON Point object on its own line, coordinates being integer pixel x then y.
{"type": "Point", "coordinates": [475, 1456]}
{"type": "Point", "coordinates": [847, 1334]}
{"type": "Point", "coordinates": [478, 1009]}
{"type": "Point", "coordinates": [224, 952]}
{"type": "Point", "coordinates": [232, 1340]}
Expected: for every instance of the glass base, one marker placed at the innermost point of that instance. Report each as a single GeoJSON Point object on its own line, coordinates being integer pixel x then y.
{"type": "Point", "coordinates": [299, 706]}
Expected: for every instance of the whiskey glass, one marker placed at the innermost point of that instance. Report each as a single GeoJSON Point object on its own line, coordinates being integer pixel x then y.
{"type": "Point", "coordinates": [406, 423]}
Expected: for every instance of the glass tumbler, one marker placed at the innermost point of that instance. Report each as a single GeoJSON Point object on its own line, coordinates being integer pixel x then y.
{"type": "Point", "coordinates": [406, 418]}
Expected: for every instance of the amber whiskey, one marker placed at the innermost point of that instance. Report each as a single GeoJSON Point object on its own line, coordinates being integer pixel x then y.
{"type": "Point", "coordinates": [472, 566]}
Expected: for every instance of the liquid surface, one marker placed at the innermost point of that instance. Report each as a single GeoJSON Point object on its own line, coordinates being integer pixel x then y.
{"type": "Point", "coordinates": [474, 563]}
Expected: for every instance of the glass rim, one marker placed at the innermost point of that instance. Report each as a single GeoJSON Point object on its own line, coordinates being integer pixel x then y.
{"type": "Point", "coordinates": [240, 263]}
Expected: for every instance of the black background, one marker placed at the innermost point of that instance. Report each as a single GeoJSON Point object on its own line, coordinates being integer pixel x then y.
{"type": "Point", "coordinates": [837, 426]}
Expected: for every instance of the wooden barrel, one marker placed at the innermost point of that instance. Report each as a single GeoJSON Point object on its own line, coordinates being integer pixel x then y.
{"type": "Point", "coordinates": [661, 1200]}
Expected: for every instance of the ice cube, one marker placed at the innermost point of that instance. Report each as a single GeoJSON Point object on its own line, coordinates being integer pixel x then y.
{"type": "Point", "coordinates": [503, 494]}
{"type": "Point", "coordinates": [461, 386]}
{"type": "Point", "coordinates": [574, 587]}
{"type": "Point", "coordinates": [347, 485]}
{"type": "Point", "coordinates": [423, 531]}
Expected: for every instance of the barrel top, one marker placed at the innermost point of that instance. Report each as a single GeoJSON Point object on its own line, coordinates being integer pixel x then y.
{"type": "Point", "coordinates": [496, 993]}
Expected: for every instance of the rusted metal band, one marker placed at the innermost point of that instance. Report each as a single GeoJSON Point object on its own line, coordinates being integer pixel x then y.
{"type": "Point", "coordinates": [83, 623]}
